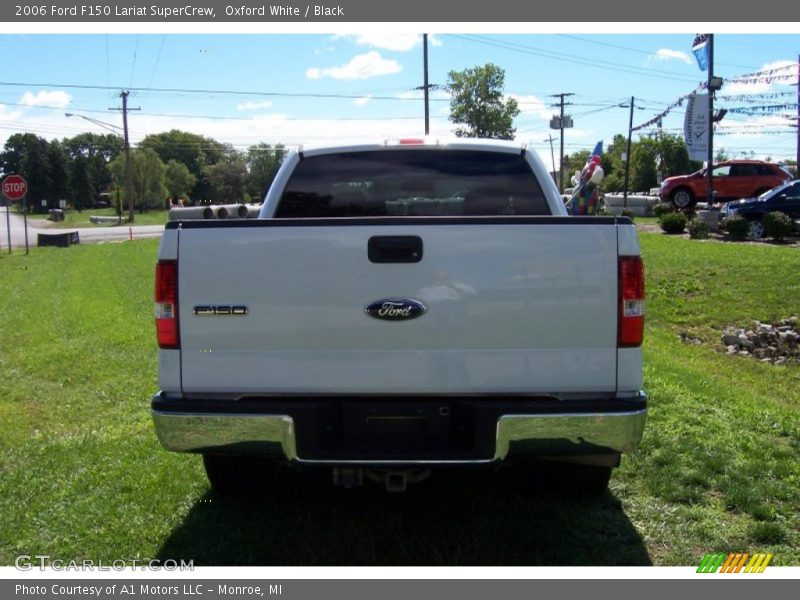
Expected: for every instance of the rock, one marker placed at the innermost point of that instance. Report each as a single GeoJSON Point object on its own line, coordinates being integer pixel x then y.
{"type": "Point", "coordinates": [732, 349]}
{"type": "Point", "coordinates": [766, 360]}
{"type": "Point", "coordinates": [730, 339]}
{"type": "Point", "coordinates": [785, 328]}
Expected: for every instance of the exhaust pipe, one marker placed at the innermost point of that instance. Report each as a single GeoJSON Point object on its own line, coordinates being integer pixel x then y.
{"type": "Point", "coordinates": [191, 212]}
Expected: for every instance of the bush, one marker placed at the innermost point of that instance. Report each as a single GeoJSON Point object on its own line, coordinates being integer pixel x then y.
{"type": "Point", "coordinates": [659, 210]}
{"type": "Point", "coordinates": [673, 223]}
{"type": "Point", "coordinates": [777, 225]}
{"type": "Point", "coordinates": [698, 229]}
{"type": "Point", "coordinates": [626, 212]}
{"type": "Point", "coordinates": [736, 226]}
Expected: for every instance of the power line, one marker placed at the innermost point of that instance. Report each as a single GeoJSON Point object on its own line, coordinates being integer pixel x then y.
{"type": "Point", "coordinates": [228, 118]}
{"type": "Point", "coordinates": [212, 91]}
{"type": "Point", "coordinates": [158, 59]}
{"type": "Point", "coordinates": [560, 56]}
{"type": "Point", "coordinates": [639, 51]}
{"type": "Point", "coordinates": [135, 53]}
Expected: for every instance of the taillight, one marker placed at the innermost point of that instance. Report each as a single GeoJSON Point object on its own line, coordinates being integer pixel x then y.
{"type": "Point", "coordinates": [631, 302]}
{"type": "Point", "coordinates": [166, 306]}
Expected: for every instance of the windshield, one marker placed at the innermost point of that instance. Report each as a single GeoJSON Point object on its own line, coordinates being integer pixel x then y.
{"type": "Point", "coordinates": [435, 182]}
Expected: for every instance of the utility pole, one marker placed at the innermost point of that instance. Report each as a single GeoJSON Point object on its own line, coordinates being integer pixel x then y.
{"type": "Point", "coordinates": [710, 182]}
{"type": "Point", "coordinates": [128, 181]}
{"type": "Point", "coordinates": [628, 158]}
{"type": "Point", "coordinates": [425, 82]}
{"type": "Point", "coordinates": [552, 155]}
{"type": "Point", "coordinates": [560, 124]}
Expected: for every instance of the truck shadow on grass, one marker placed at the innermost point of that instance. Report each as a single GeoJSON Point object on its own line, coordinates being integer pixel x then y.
{"type": "Point", "coordinates": [457, 517]}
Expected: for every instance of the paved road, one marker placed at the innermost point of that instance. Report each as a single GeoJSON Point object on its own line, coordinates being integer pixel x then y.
{"type": "Point", "coordinates": [87, 234]}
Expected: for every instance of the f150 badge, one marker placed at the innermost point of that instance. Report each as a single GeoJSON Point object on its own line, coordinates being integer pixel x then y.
{"type": "Point", "coordinates": [394, 309]}
{"type": "Point", "coordinates": [220, 310]}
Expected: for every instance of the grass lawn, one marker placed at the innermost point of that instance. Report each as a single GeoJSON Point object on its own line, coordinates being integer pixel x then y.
{"type": "Point", "coordinates": [82, 476]}
{"type": "Point", "coordinates": [73, 218]}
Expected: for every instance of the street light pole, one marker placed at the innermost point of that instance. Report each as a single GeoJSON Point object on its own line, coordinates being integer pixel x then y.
{"type": "Point", "coordinates": [108, 126]}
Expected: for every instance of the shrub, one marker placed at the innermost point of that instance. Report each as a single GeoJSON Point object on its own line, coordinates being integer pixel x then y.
{"type": "Point", "coordinates": [698, 229]}
{"type": "Point", "coordinates": [777, 225]}
{"type": "Point", "coordinates": [659, 210]}
{"type": "Point", "coordinates": [626, 212]}
{"type": "Point", "coordinates": [736, 226]}
{"type": "Point", "coordinates": [673, 223]}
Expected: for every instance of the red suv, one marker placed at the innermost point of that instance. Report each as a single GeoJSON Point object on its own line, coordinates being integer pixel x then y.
{"type": "Point", "coordinates": [733, 179]}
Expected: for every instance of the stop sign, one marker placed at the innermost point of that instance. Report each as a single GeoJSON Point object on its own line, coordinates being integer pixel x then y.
{"type": "Point", "coordinates": [15, 187]}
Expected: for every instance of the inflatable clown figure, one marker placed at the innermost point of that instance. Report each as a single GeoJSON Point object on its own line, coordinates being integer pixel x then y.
{"type": "Point", "coordinates": [586, 197]}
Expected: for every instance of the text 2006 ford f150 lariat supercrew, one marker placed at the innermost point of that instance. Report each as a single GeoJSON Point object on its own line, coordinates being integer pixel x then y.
{"type": "Point", "coordinates": [397, 307]}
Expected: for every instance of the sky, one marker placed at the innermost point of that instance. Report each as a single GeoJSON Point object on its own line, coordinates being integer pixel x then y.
{"type": "Point", "coordinates": [300, 89]}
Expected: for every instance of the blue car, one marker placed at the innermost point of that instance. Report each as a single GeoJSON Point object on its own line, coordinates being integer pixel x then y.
{"type": "Point", "coordinates": [784, 198]}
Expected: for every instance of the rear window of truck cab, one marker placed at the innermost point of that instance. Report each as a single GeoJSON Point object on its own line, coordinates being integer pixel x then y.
{"type": "Point", "coordinates": [433, 182]}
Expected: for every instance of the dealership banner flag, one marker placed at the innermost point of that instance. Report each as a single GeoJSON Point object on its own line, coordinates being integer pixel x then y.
{"type": "Point", "coordinates": [700, 49]}
{"type": "Point", "coordinates": [696, 126]}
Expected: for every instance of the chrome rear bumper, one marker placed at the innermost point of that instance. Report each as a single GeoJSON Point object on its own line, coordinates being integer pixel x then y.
{"type": "Point", "coordinates": [545, 435]}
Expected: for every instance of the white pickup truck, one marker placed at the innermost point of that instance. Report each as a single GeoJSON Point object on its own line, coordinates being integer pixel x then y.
{"type": "Point", "coordinates": [398, 307]}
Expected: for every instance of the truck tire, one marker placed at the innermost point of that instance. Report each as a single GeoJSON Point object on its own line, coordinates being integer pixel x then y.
{"type": "Point", "coordinates": [231, 475]}
{"type": "Point", "coordinates": [683, 198]}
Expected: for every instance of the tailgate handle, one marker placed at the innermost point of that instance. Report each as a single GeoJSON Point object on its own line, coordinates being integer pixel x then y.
{"type": "Point", "coordinates": [395, 249]}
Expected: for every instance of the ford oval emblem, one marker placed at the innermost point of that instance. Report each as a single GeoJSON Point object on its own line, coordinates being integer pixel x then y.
{"type": "Point", "coordinates": [395, 309]}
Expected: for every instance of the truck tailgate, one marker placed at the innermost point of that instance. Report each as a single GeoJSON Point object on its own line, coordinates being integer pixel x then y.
{"type": "Point", "coordinates": [513, 305]}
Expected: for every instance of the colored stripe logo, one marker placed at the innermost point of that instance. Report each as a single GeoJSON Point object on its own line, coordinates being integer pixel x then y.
{"type": "Point", "coordinates": [735, 562]}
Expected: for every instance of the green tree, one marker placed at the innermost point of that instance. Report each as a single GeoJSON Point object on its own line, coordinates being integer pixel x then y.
{"type": "Point", "coordinates": [88, 156]}
{"type": "Point", "coordinates": [226, 180]}
{"type": "Point", "coordinates": [59, 171]}
{"type": "Point", "coordinates": [477, 102]}
{"type": "Point", "coordinates": [28, 155]}
{"type": "Point", "coordinates": [646, 153]}
{"type": "Point", "coordinates": [262, 162]}
{"type": "Point", "coordinates": [643, 165]}
{"type": "Point", "coordinates": [179, 180]}
{"type": "Point", "coordinates": [194, 151]}
{"type": "Point", "coordinates": [147, 177]}
{"type": "Point", "coordinates": [81, 184]}
{"type": "Point", "coordinates": [613, 164]}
